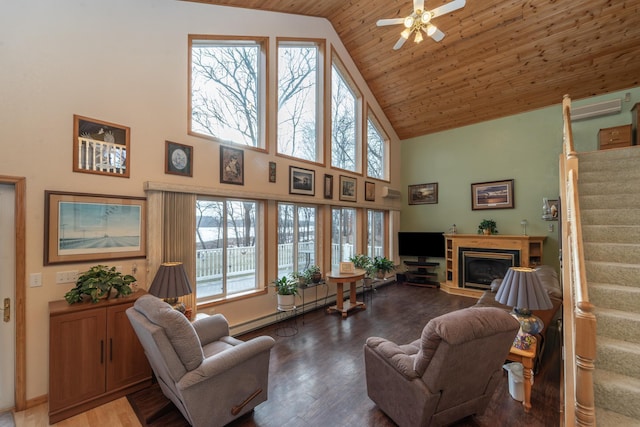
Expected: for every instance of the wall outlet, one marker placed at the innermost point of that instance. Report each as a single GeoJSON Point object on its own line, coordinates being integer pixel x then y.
{"type": "Point", "coordinates": [66, 276]}
{"type": "Point", "coordinates": [35, 280]}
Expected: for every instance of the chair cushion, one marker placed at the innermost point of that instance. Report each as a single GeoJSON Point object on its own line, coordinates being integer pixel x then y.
{"type": "Point", "coordinates": [176, 326]}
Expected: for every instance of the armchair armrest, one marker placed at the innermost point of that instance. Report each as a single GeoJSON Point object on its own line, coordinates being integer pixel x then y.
{"type": "Point", "coordinates": [394, 355]}
{"type": "Point", "coordinates": [224, 361]}
{"type": "Point", "coordinates": [211, 328]}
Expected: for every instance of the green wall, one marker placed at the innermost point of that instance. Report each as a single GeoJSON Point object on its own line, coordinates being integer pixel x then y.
{"type": "Point", "coordinates": [524, 147]}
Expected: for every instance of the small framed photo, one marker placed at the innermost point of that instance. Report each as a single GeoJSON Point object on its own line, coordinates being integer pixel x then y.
{"type": "Point", "coordinates": [100, 147]}
{"type": "Point", "coordinates": [492, 195]}
{"type": "Point", "coordinates": [272, 171]}
{"type": "Point", "coordinates": [347, 267]}
{"type": "Point", "coordinates": [302, 181]}
{"type": "Point", "coordinates": [178, 159]}
{"type": "Point", "coordinates": [231, 165]}
{"type": "Point", "coordinates": [370, 191]}
{"type": "Point", "coordinates": [328, 186]}
{"type": "Point", "coordinates": [348, 188]}
{"type": "Point", "coordinates": [423, 194]}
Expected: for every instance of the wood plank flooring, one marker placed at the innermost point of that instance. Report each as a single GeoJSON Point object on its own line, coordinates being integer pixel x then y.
{"type": "Point", "coordinates": [317, 376]}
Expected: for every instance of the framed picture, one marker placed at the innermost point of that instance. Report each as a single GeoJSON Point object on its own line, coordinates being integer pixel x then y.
{"type": "Point", "coordinates": [272, 171]}
{"type": "Point", "coordinates": [348, 188]}
{"type": "Point", "coordinates": [90, 227]}
{"type": "Point", "coordinates": [553, 209]}
{"type": "Point", "coordinates": [492, 195]}
{"type": "Point", "coordinates": [231, 165]}
{"type": "Point", "coordinates": [302, 181]}
{"type": "Point", "coordinates": [370, 191]}
{"type": "Point", "coordinates": [328, 186]}
{"type": "Point", "coordinates": [178, 159]}
{"type": "Point", "coordinates": [347, 267]}
{"type": "Point", "coordinates": [423, 194]}
{"type": "Point", "coordinates": [100, 147]}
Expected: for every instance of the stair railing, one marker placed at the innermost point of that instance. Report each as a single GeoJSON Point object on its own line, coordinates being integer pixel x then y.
{"type": "Point", "coordinates": [579, 322]}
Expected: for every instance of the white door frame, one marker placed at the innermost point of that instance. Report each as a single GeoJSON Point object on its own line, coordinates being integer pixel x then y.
{"type": "Point", "coordinates": [20, 184]}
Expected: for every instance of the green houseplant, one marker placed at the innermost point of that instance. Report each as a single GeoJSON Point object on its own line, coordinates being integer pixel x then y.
{"type": "Point", "coordinates": [382, 266]}
{"type": "Point", "coordinates": [363, 262]}
{"type": "Point", "coordinates": [487, 226]}
{"type": "Point", "coordinates": [98, 282]}
{"type": "Point", "coordinates": [313, 274]}
{"type": "Point", "coordinates": [286, 291]}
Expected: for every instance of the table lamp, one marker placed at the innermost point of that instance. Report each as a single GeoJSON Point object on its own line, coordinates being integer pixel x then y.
{"type": "Point", "coordinates": [521, 289]}
{"type": "Point", "coordinates": [170, 283]}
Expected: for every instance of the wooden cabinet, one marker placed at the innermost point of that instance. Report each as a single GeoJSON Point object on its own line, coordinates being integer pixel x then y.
{"type": "Point", "coordinates": [614, 137]}
{"type": "Point", "coordinates": [94, 356]}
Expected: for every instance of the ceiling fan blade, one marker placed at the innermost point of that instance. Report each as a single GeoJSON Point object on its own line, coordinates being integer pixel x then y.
{"type": "Point", "coordinates": [399, 43]}
{"type": "Point", "coordinates": [437, 35]}
{"type": "Point", "coordinates": [390, 21]}
{"type": "Point", "coordinates": [447, 8]}
{"type": "Point", "coordinates": [418, 5]}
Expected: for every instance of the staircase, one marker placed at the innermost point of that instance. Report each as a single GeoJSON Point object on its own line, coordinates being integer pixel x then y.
{"type": "Point", "coordinates": [609, 188]}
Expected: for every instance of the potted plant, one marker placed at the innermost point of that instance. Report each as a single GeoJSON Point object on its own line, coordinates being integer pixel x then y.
{"type": "Point", "coordinates": [487, 226]}
{"type": "Point", "coordinates": [313, 274]}
{"type": "Point", "coordinates": [382, 266]}
{"type": "Point", "coordinates": [98, 282]}
{"type": "Point", "coordinates": [299, 277]}
{"type": "Point", "coordinates": [286, 290]}
{"type": "Point", "coordinates": [364, 262]}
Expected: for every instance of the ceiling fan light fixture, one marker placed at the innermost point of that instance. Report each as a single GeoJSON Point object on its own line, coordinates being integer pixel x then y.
{"type": "Point", "coordinates": [418, 37]}
{"type": "Point", "coordinates": [426, 17]}
{"type": "Point", "coordinates": [406, 33]}
{"type": "Point", "coordinates": [431, 30]}
{"type": "Point", "coordinates": [408, 21]}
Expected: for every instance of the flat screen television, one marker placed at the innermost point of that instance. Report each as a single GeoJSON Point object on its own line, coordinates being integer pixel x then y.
{"type": "Point", "coordinates": [421, 244]}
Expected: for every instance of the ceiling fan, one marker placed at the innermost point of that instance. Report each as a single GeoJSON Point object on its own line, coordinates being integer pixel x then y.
{"type": "Point", "coordinates": [420, 20]}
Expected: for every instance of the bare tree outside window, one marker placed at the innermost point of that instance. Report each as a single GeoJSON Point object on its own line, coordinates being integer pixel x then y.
{"type": "Point", "coordinates": [225, 90]}
{"type": "Point", "coordinates": [343, 123]}
{"type": "Point", "coordinates": [376, 151]}
{"type": "Point", "coordinates": [298, 100]}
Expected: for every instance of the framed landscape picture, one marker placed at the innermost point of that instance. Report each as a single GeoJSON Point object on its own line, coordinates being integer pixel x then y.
{"type": "Point", "coordinates": [90, 227]}
{"type": "Point", "coordinates": [348, 188]}
{"type": "Point", "coordinates": [492, 195]}
{"type": "Point", "coordinates": [423, 194]}
{"type": "Point", "coordinates": [302, 181]}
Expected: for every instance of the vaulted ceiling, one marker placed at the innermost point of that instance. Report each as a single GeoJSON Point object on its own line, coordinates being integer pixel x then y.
{"type": "Point", "coordinates": [499, 57]}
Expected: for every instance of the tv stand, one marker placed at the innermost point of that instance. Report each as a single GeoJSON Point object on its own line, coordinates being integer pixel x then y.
{"type": "Point", "coordinates": [420, 273]}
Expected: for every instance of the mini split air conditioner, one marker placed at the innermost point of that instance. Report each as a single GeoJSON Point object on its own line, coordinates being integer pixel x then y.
{"type": "Point", "coordinates": [390, 193]}
{"type": "Point", "coordinates": [596, 110]}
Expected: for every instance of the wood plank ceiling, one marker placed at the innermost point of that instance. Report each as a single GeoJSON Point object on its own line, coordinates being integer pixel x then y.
{"type": "Point", "coordinates": [499, 57]}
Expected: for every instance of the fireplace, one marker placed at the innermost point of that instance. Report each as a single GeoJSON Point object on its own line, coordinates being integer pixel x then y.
{"type": "Point", "coordinates": [479, 267]}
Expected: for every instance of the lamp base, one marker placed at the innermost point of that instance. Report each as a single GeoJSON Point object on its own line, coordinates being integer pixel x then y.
{"type": "Point", "coordinates": [177, 305]}
{"type": "Point", "coordinates": [529, 323]}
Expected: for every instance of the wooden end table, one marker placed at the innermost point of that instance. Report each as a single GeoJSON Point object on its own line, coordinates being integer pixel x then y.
{"type": "Point", "coordinates": [527, 358]}
{"type": "Point", "coordinates": [340, 279]}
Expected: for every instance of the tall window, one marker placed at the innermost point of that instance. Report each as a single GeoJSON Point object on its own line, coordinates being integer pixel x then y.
{"type": "Point", "coordinates": [297, 232]}
{"type": "Point", "coordinates": [344, 121]}
{"type": "Point", "coordinates": [227, 99]}
{"type": "Point", "coordinates": [377, 149]}
{"type": "Point", "coordinates": [375, 233]}
{"type": "Point", "coordinates": [226, 256]}
{"type": "Point", "coordinates": [298, 99]}
{"type": "Point", "coordinates": [343, 235]}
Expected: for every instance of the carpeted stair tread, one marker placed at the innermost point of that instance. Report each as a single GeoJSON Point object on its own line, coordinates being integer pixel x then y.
{"type": "Point", "coordinates": [627, 216]}
{"type": "Point", "coordinates": [606, 418]}
{"type": "Point", "coordinates": [618, 297]}
{"type": "Point", "coordinates": [617, 393]}
{"type": "Point", "coordinates": [618, 356]}
{"type": "Point", "coordinates": [618, 324]}
{"type": "Point", "coordinates": [625, 253]}
{"type": "Point", "coordinates": [609, 200]}
{"type": "Point", "coordinates": [611, 233]}
{"type": "Point", "coordinates": [613, 272]}
{"type": "Point", "coordinates": [611, 175]}
{"type": "Point", "coordinates": [600, 156]}
{"type": "Point", "coordinates": [609, 187]}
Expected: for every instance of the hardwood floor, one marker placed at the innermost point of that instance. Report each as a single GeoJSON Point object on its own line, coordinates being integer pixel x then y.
{"type": "Point", "coordinates": [317, 376]}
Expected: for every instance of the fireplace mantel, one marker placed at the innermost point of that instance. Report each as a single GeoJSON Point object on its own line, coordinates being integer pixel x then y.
{"type": "Point", "coordinates": [529, 247]}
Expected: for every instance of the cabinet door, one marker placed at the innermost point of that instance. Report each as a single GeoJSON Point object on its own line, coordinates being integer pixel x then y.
{"type": "Point", "coordinates": [77, 357]}
{"type": "Point", "coordinates": [127, 363]}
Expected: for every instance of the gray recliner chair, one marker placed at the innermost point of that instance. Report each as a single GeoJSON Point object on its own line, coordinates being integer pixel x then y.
{"type": "Point", "coordinates": [211, 377]}
{"type": "Point", "coordinates": [449, 373]}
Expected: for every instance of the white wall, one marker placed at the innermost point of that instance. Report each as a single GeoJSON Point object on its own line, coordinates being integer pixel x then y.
{"type": "Point", "coordinates": [124, 61]}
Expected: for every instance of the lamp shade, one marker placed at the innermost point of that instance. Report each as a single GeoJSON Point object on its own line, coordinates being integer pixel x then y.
{"type": "Point", "coordinates": [171, 281]}
{"type": "Point", "coordinates": [521, 288]}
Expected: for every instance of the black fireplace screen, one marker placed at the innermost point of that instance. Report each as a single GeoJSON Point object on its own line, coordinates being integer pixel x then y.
{"type": "Point", "coordinates": [479, 267]}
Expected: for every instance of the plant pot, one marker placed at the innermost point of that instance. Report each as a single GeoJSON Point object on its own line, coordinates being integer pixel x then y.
{"type": "Point", "coordinates": [286, 302]}
{"type": "Point", "coordinates": [486, 232]}
{"type": "Point", "coordinates": [316, 278]}
{"type": "Point", "coordinates": [380, 274]}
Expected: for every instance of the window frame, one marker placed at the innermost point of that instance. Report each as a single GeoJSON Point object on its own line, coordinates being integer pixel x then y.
{"type": "Point", "coordinates": [386, 148]}
{"type": "Point", "coordinates": [262, 86]}
{"type": "Point", "coordinates": [320, 45]}
{"type": "Point", "coordinates": [296, 230]}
